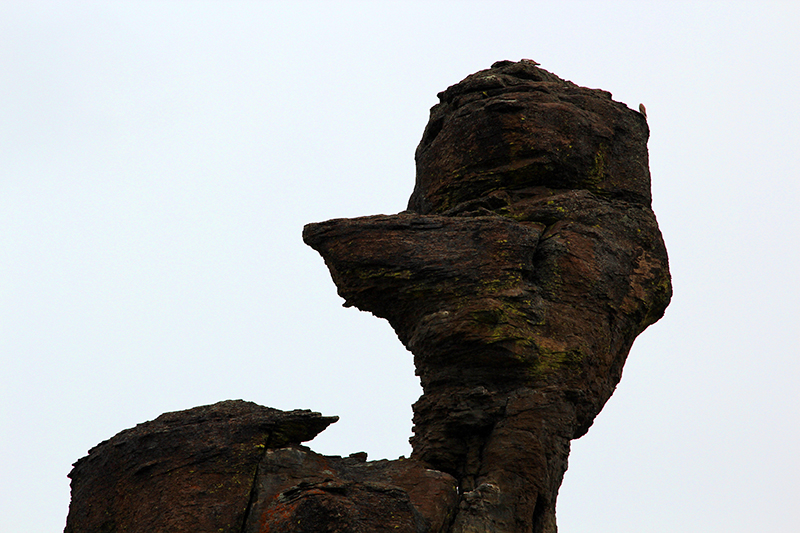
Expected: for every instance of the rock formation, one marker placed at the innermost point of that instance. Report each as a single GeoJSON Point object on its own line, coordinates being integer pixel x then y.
{"type": "Point", "coordinates": [528, 261]}
{"type": "Point", "coordinates": [526, 265]}
{"type": "Point", "coordinates": [236, 467]}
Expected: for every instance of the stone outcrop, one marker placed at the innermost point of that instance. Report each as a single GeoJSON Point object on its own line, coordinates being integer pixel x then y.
{"type": "Point", "coordinates": [238, 467]}
{"type": "Point", "coordinates": [188, 470]}
{"type": "Point", "coordinates": [528, 261]}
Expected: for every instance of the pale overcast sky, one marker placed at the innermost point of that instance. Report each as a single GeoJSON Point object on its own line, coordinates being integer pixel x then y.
{"type": "Point", "coordinates": [158, 161]}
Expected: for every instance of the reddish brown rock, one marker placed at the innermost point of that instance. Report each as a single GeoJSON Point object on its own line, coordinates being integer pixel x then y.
{"type": "Point", "coordinates": [527, 264]}
{"type": "Point", "coordinates": [237, 467]}
{"type": "Point", "coordinates": [184, 471]}
{"type": "Point", "coordinates": [516, 125]}
{"type": "Point", "coordinates": [299, 491]}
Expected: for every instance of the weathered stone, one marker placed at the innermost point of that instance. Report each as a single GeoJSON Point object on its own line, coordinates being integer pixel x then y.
{"type": "Point", "coordinates": [184, 471]}
{"type": "Point", "coordinates": [238, 467]}
{"type": "Point", "coordinates": [299, 491]}
{"type": "Point", "coordinates": [516, 125]}
{"type": "Point", "coordinates": [528, 261]}
{"type": "Point", "coordinates": [527, 264]}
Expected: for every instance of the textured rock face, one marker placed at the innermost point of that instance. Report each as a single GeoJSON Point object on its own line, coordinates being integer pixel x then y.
{"type": "Point", "coordinates": [300, 491]}
{"type": "Point", "coordinates": [516, 125]}
{"type": "Point", "coordinates": [528, 261]}
{"type": "Point", "coordinates": [526, 265]}
{"type": "Point", "coordinates": [237, 467]}
{"type": "Point", "coordinates": [188, 470]}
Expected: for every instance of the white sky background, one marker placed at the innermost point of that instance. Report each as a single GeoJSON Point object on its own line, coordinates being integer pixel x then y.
{"type": "Point", "coordinates": [158, 161]}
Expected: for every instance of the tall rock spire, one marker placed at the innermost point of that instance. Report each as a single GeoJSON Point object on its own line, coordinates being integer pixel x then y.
{"type": "Point", "coordinates": [526, 265]}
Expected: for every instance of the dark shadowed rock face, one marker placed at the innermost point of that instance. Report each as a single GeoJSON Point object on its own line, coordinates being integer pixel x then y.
{"type": "Point", "coordinates": [525, 266]}
{"type": "Point", "coordinates": [528, 262]}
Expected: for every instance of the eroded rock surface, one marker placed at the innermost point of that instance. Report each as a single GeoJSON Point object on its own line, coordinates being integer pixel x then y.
{"type": "Point", "coordinates": [300, 491]}
{"type": "Point", "coordinates": [527, 263]}
{"type": "Point", "coordinates": [238, 467]}
{"type": "Point", "coordinates": [184, 471]}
